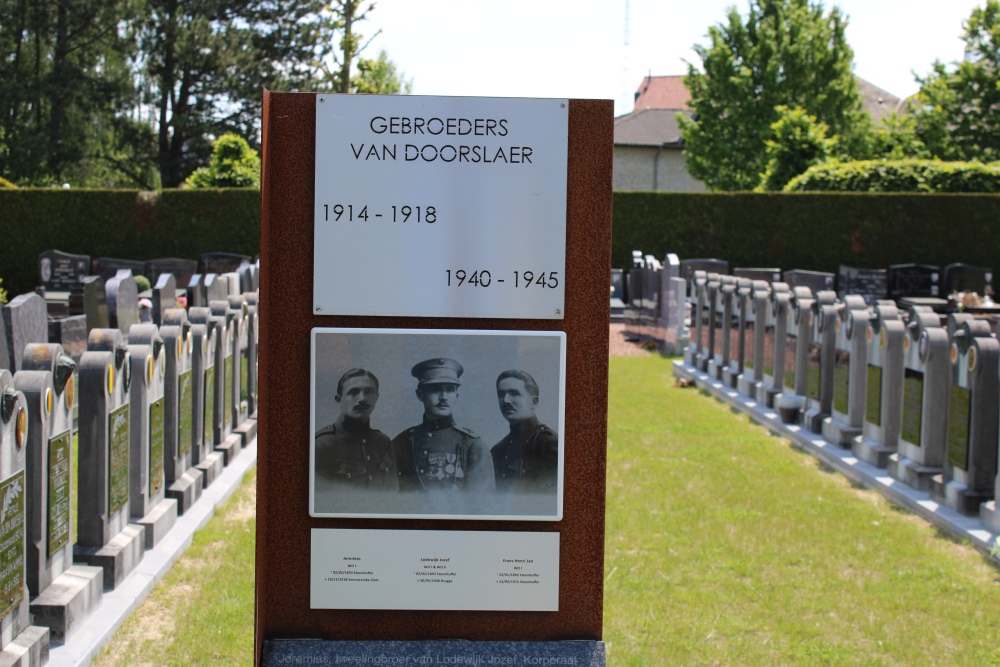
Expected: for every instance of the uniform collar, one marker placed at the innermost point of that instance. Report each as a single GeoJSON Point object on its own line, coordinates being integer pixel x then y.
{"type": "Point", "coordinates": [352, 425]}
{"type": "Point", "coordinates": [438, 424]}
{"type": "Point", "coordinates": [524, 426]}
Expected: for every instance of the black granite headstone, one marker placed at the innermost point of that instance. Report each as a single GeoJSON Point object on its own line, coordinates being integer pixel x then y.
{"type": "Point", "coordinates": [967, 278]}
{"type": "Point", "coordinates": [767, 275]}
{"type": "Point", "coordinates": [196, 297]}
{"type": "Point", "coordinates": [182, 269]}
{"type": "Point", "coordinates": [816, 281]}
{"type": "Point", "coordinates": [221, 262]}
{"type": "Point", "coordinates": [913, 280]}
{"type": "Point", "coordinates": [62, 271]}
{"type": "Point", "coordinates": [108, 267]}
{"type": "Point", "coordinates": [617, 284]}
{"type": "Point", "coordinates": [70, 332]}
{"type": "Point", "coordinates": [868, 283]}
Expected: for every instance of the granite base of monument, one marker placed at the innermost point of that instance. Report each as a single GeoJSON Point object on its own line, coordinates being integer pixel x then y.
{"type": "Point", "coordinates": [788, 407]}
{"type": "Point", "coordinates": [872, 452]}
{"type": "Point", "coordinates": [247, 431]}
{"type": "Point", "coordinates": [990, 516]}
{"type": "Point", "coordinates": [118, 557]}
{"type": "Point", "coordinates": [748, 387]}
{"type": "Point", "coordinates": [158, 521]}
{"type": "Point", "coordinates": [714, 370]}
{"type": "Point", "coordinates": [230, 447]}
{"type": "Point", "coordinates": [29, 649]}
{"type": "Point", "coordinates": [731, 378]}
{"type": "Point", "coordinates": [912, 473]}
{"type": "Point", "coordinates": [210, 468]}
{"type": "Point", "coordinates": [68, 600]}
{"type": "Point", "coordinates": [449, 652]}
{"type": "Point", "coordinates": [957, 496]}
{"type": "Point", "coordinates": [186, 490]}
{"type": "Point", "coordinates": [839, 434]}
{"type": "Point", "coordinates": [812, 420]}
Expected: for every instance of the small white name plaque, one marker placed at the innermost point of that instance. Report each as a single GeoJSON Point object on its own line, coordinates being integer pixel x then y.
{"type": "Point", "coordinates": [440, 206]}
{"type": "Point", "coordinates": [428, 569]}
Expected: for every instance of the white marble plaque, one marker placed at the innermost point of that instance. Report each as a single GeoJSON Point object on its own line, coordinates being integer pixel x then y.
{"type": "Point", "coordinates": [439, 570]}
{"type": "Point", "coordinates": [440, 206]}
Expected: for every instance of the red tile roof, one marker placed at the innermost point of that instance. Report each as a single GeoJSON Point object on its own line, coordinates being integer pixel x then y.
{"type": "Point", "coordinates": [662, 92]}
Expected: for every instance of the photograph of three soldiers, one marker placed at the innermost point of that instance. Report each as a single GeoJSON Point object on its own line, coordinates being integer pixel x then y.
{"type": "Point", "coordinates": [438, 454]}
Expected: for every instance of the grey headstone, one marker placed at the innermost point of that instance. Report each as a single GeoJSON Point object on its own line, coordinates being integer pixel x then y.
{"type": "Point", "coordinates": [71, 334]}
{"type": "Point", "coordinates": [108, 267]}
{"type": "Point", "coordinates": [884, 388]}
{"type": "Point", "coordinates": [25, 320]}
{"type": "Point", "coordinates": [196, 297]}
{"type": "Point", "coordinates": [181, 269]}
{"type": "Point", "coordinates": [95, 304]}
{"type": "Point", "coordinates": [221, 262]}
{"type": "Point", "coordinates": [850, 367]}
{"type": "Point", "coordinates": [62, 271]}
{"type": "Point", "coordinates": [164, 296]}
{"type": "Point", "coordinates": [123, 301]}
{"type": "Point", "coordinates": [216, 288]}
{"type": "Point", "coordinates": [246, 274]}
{"type": "Point", "coordinates": [184, 484]}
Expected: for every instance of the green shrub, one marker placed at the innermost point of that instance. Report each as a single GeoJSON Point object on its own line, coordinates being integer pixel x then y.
{"type": "Point", "coordinates": [233, 165]}
{"type": "Point", "coordinates": [142, 283]}
{"type": "Point", "coordinates": [898, 176]}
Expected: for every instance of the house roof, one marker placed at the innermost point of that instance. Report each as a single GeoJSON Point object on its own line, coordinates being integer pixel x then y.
{"type": "Point", "coordinates": [662, 92]}
{"type": "Point", "coordinates": [669, 92]}
{"type": "Point", "coordinates": [649, 127]}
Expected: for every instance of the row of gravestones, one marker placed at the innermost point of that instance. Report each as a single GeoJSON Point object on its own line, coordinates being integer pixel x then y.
{"type": "Point", "coordinates": [81, 294]}
{"type": "Point", "coordinates": [161, 410]}
{"type": "Point", "coordinates": [656, 306]}
{"type": "Point", "coordinates": [909, 390]}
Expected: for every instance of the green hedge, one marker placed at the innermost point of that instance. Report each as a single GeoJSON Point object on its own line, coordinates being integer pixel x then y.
{"type": "Point", "coordinates": [121, 223]}
{"type": "Point", "coordinates": [816, 231]}
{"type": "Point", "coordinates": [898, 176]}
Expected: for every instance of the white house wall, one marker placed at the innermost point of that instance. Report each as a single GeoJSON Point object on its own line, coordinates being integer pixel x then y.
{"type": "Point", "coordinates": [633, 170]}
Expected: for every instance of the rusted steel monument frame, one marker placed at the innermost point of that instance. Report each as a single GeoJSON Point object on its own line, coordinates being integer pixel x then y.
{"type": "Point", "coordinates": [286, 319]}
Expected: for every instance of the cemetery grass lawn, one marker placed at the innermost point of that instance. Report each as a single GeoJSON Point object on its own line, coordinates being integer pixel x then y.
{"type": "Point", "coordinates": [201, 613]}
{"type": "Point", "coordinates": [725, 545]}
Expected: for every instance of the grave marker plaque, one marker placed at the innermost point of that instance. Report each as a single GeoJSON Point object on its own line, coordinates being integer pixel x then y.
{"type": "Point", "coordinates": [913, 280]}
{"type": "Point", "coordinates": [12, 543]}
{"type": "Point", "coordinates": [870, 284]}
{"type": "Point", "coordinates": [884, 388]}
{"type": "Point", "coordinates": [970, 464]}
{"type": "Point", "coordinates": [759, 324]}
{"type": "Point", "coordinates": [774, 345]}
{"type": "Point", "coordinates": [822, 351]}
{"type": "Point", "coordinates": [698, 289]}
{"type": "Point", "coordinates": [183, 483]}
{"type": "Point", "coordinates": [62, 271]}
{"type": "Point", "coordinates": [796, 356]}
{"type": "Point", "coordinates": [849, 374]}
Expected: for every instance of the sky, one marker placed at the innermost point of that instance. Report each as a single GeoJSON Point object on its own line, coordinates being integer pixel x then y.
{"type": "Point", "coordinates": [583, 48]}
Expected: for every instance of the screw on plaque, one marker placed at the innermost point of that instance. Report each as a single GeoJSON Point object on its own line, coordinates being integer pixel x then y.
{"type": "Point", "coordinates": [319, 309]}
{"type": "Point", "coordinates": [558, 312]}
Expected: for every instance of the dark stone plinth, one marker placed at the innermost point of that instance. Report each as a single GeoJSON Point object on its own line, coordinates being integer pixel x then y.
{"type": "Point", "coordinates": [454, 652]}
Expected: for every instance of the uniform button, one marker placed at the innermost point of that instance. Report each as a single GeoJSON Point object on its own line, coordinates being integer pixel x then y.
{"type": "Point", "coordinates": [348, 475]}
{"type": "Point", "coordinates": [368, 458]}
{"type": "Point", "coordinates": [369, 478]}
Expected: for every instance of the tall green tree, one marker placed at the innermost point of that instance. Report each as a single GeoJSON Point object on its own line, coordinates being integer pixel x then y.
{"type": "Point", "coordinates": [785, 52]}
{"type": "Point", "coordinates": [380, 76]}
{"type": "Point", "coordinates": [956, 110]}
{"type": "Point", "coordinates": [233, 165]}
{"type": "Point", "coordinates": [66, 89]}
{"type": "Point", "coordinates": [799, 142]}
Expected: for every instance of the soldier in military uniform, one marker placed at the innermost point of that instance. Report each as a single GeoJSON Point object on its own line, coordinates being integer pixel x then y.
{"type": "Point", "coordinates": [349, 452]}
{"type": "Point", "coordinates": [437, 454]}
{"type": "Point", "coordinates": [527, 460]}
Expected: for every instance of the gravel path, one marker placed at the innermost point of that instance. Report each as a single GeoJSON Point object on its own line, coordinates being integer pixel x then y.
{"type": "Point", "coordinates": [619, 347]}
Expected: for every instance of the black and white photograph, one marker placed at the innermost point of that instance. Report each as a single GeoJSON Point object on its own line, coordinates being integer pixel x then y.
{"type": "Point", "coordinates": [447, 424]}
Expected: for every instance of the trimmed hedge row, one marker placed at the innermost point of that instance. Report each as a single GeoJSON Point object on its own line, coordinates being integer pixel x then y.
{"type": "Point", "coordinates": [121, 223]}
{"type": "Point", "coordinates": [898, 176]}
{"type": "Point", "coordinates": [816, 231]}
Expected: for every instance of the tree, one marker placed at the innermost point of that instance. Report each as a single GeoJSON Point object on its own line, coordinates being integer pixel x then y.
{"type": "Point", "coordinates": [380, 76]}
{"type": "Point", "coordinates": [956, 111]}
{"type": "Point", "coordinates": [798, 143]}
{"type": "Point", "coordinates": [233, 165]}
{"type": "Point", "coordinates": [787, 52]}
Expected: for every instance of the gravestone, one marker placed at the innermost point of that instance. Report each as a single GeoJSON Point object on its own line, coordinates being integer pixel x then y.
{"type": "Point", "coordinates": [883, 387]}
{"type": "Point", "coordinates": [767, 275]}
{"type": "Point", "coordinates": [618, 284]}
{"type": "Point", "coordinates": [926, 378]}
{"type": "Point", "coordinates": [5, 351]}
{"type": "Point", "coordinates": [62, 594]}
{"type": "Point", "coordinates": [795, 356]}
{"type": "Point", "coordinates": [779, 313]}
{"type": "Point", "coordinates": [246, 429]}
{"type": "Point", "coordinates": [71, 333]}
{"type": "Point", "coordinates": [216, 432]}
{"type": "Point", "coordinates": [105, 538]}
{"type": "Point", "coordinates": [758, 323]}
{"type": "Point", "coordinates": [123, 301]}
{"type": "Point", "coordinates": [25, 320]}
{"type": "Point", "coordinates": [967, 278]}
{"type": "Point", "coordinates": [712, 325]}
{"type": "Point", "coordinates": [913, 280]}
{"type": "Point", "coordinates": [247, 272]}
{"type": "Point", "coordinates": [698, 288]}
{"type": "Point", "coordinates": [252, 340]}
{"type": "Point", "coordinates": [226, 379]}
{"type": "Point", "coordinates": [723, 326]}
{"type": "Point", "coordinates": [20, 642]}
{"type": "Point", "coordinates": [871, 284]}
{"type": "Point", "coordinates": [231, 280]}
{"type": "Point", "coordinates": [108, 267]}
{"type": "Point", "coordinates": [216, 289]}
{"type": "Point", "coordinates": [95, 304]}
{"type": "Point", "coordinates": [61, 271]}
{"type": "Point", "coordinates": [740, 331]}
{"type": "Point", "coordinates": [196, 292]}
{"type": "Point", "coordinates": [820, 370]}
{"type": "Point", "coordinates": [816, 281]}
{"type": "Point", "coordinates": [203, 455]}
{"type": "Point", "coordinates": [649, 313]}
{"type": "Point", "coordinates": [180, 269]}
{"type": "Point", "coordinates": [689, 266]}
{"type": "Point", "coordinates": [164, 296]}
{"type": "Point", "coordinates": [221, 262]}
{"type": "Point", "coordinates": [970, 464]}
{"type": "Point", "coordinates": [148, 424]}
{"type": "Point", "coordinates": [850, 364]}
{"type": "Point", "coordinates": [633, 304]}
{"type": "Point", "coordinates": [184, 483]}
